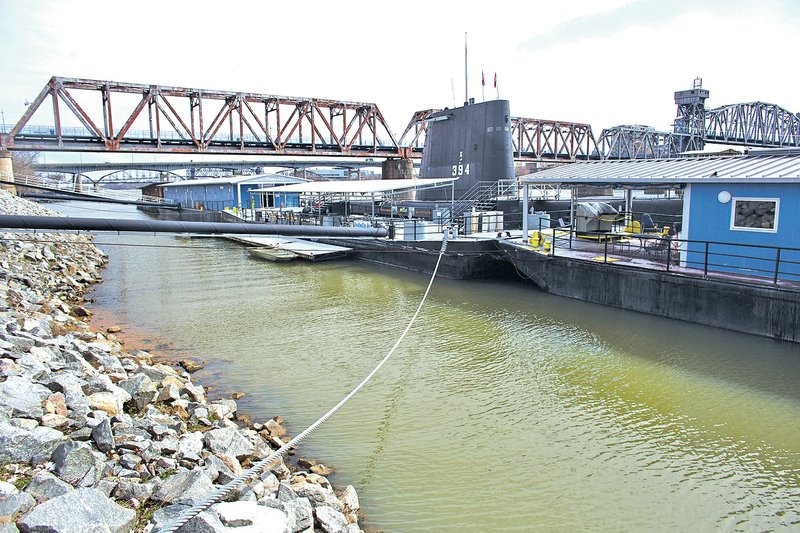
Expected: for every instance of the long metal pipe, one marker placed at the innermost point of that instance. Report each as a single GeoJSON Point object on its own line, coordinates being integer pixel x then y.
{"type": "Point", "coordinates": [174, 226]}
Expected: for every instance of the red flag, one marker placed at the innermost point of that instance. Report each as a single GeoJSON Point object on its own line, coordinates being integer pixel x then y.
{"type": "Point", "coordinates": [495, 80]}
{"type": "Point", "coordinates": [483, 80]}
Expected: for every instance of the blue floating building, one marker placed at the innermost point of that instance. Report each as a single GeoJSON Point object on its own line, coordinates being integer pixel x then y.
{"type": "Point", "coordinates": [741, 213]}
{"type": "Point", "coordinates": [231, 192]}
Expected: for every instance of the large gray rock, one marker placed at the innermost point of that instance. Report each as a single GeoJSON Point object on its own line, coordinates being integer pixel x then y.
{"type": "Point", "coordinates": [285, 493]}
{"type": "Point", "coordinates": [318, 495]}
{"type": "Point", "coordinates": [15, 505]}
{"type": "Point", "coordinates": [184, 486]}
{"type": "Point", "coordinates": [205, 522]}
{"type": "Point", "coordinates": [223, 469]}
{"type": "Point", "coordinates": [70, 385]}
{"type": "Point", "coordinates": [330, 520]}
{"type": "Point", "coordinates": [189, 445]}
{"type": "Point", "coordinates": [18, 445]}
{"type": "Point", "coordinates": [300, 514]}
{"type": "Point", "coordinates": [243, 514]}
{"type": "Point", "coordinates": [142, 390]}
{"type": "Point", "coordinates": [77, 512]}
{"type": "Point", "coordinates": [23, 397]}
{"type": "Point", "coordinates": [32, 368]}
{"type": "Point", "coordinates": [229, 441]}
{"type": "Point", "coordinates": [102, 436]}
{"type": "Point", "coordinates": [349, 498]}
{"type": "Point", "coordinates": [7, 488]}
{"type": "Point", "coordinates": [47, 355]}
{"type": "Point", "coordinates": [74, 463]}
{"type": "Point", "coordinates": [21, 344]}
{"type": "Point", "coordinates": [45, 486]}
{"type": "Point", "coordinates": [157, 372]}
{"type": "Point", "coordinates": [196, 392]}
{"type": "Point", "coordinates": [111, 364]}
{"type": "Point", "coordinates": [125, 490]}
{"type": "Point", "coordinates": [98, 383]}
{"type": "Point", "coordinates": [223, 408]}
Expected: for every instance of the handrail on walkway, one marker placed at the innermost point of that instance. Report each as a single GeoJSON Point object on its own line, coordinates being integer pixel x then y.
{"type": "Point", "coordinates": [691, 256]}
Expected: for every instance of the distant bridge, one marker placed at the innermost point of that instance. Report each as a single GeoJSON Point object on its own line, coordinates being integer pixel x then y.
{"type": "Point", "coordinates": [193, 167]}
{"type": "Point", "coordinates": [755, 124]}
{"type": "Point", "coordinates": [159, 119]}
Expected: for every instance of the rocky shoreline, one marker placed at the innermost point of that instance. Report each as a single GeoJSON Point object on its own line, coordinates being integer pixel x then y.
{"type": "Point", "coordinates": [96, 438]}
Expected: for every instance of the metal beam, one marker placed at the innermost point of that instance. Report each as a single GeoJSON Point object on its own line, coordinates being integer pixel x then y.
{"type": "Point", "coordinates": [172, 226]}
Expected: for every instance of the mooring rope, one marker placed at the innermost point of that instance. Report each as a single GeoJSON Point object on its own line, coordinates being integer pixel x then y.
{"type": "Point", "coordinates": [257, 468]}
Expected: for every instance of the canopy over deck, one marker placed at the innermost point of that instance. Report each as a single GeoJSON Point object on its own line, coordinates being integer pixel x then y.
{"type": "Point", "coordinates": [358, 186]}
{"type": "Point", "coordinates": [758, 166]}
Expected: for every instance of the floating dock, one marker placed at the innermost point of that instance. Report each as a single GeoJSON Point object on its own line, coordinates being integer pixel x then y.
{"type": "Point", "coordinates": [308, 250]}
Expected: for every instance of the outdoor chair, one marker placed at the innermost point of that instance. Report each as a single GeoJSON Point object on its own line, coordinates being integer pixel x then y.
{"type": "Point", "coordinates": [659, 249]}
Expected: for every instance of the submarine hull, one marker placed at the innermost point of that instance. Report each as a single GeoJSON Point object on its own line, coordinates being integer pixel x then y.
{"type": "Point", "coordinates": [471, 143]}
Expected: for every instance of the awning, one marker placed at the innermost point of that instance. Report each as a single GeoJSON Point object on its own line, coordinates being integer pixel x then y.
{"type": "Point", "coordinates": [773, 166]}
{"type": "Point", "coordinates": [358, 186]}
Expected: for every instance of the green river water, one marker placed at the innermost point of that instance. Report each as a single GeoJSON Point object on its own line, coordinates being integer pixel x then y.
{"type": "Point", "coordinates": [505, 409]}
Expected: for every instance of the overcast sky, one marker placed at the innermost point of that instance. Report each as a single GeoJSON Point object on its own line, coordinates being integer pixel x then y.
{"type": "Point", "coordinates": [605, 62]}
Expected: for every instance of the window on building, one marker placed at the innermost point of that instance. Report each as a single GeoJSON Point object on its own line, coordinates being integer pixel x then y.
{"type": "Point", "coordinates": [755, 214]}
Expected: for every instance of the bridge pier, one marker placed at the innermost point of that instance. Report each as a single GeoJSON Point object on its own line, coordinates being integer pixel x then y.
{"type": "Point", "coordinates": [397, 169]}
{"type": "Point", "coordinates": [7, 172]}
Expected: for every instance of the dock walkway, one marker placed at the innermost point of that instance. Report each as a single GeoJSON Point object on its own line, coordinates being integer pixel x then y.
{"type": "Point", "coordinates": [311, 251]}
{"type": "Point", "coordinates": [624, 253]}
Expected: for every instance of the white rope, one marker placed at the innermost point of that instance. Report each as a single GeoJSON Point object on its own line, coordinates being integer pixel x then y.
{"type": "Point", "coordinates": [256, 469]}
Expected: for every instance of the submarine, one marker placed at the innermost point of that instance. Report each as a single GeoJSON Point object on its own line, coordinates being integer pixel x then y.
{"type": "Point", "coordinates": [471, 143]}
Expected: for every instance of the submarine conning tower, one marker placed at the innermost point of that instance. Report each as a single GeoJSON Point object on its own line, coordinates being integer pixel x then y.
{"type": "Point", "coordinates": [471, 143]}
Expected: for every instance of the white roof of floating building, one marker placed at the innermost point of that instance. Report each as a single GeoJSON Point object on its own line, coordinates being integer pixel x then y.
{"type": "Point", "coordinates": [259, 179]}
{"type": "Point", "coordinates": [359, 186]}
{"type": "Point", "coordinates": [757, 166]}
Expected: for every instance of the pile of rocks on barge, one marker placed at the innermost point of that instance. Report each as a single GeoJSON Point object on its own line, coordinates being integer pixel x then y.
{"type": "Point", "coordinates": [94, 438]}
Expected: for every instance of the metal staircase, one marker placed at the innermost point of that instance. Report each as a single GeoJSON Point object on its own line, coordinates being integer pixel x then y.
{"type": "Point", "coordinates": [483, 196]}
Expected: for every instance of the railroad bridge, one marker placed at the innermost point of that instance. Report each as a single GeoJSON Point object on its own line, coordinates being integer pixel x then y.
{"type": "Point", "coordinates": [105, 116]}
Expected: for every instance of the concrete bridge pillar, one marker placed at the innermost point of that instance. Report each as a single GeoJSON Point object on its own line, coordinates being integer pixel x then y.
{"type": "Point", "coordinates": [7, 172]}
{"type": "Point", "coordinates": [397, 169]}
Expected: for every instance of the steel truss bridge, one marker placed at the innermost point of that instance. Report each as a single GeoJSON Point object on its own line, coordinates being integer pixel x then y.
{"type": "Point", "coordinates": [128, 117]}
{"type": "Point", "coordinates": [159, 119]}
{"type": "Point", "coordinates": [752, 124]}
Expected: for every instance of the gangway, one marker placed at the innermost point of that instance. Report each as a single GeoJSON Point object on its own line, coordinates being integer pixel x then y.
{"type": "Point", "coordinates": [77, 191]}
